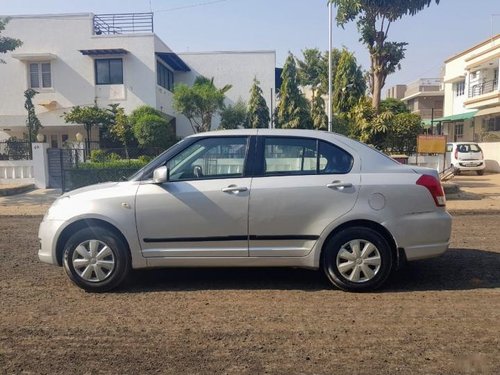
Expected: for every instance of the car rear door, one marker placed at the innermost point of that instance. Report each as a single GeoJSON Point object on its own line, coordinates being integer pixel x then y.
{"type": "Point", "coordinates": [296, 194]}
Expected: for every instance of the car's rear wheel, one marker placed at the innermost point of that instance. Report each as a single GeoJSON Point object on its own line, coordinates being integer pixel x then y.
{"type": "Point", "coordinates": [357, 259]}
{"type": "Point", "coordinates": [96, 259]}
{"type": "Point", "coordinates": [480, 173]}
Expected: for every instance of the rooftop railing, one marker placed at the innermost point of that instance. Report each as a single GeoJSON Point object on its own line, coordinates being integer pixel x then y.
{"type": "Point", "coordinates": [124, 23]}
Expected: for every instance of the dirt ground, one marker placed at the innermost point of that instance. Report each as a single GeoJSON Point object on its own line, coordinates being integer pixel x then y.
{"type": "Point", "coordinates": [438, 316]}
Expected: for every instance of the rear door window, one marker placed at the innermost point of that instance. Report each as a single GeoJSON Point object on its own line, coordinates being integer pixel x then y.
{"type": "Point", "coordinates": [289, 156]}
{"type": "Point", "coordinates": [301, 156]}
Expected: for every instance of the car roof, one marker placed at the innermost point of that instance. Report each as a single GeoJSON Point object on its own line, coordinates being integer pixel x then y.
{"type": "Point", "coordinates": [372, 158]}
{"type": "Point", "coordinates": [276, 132]}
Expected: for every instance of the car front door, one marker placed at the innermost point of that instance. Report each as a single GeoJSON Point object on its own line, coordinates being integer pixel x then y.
{"type": "Point", "coordinates": [202, 210]}
{"type": "Point", "coordinates": [302, 186]}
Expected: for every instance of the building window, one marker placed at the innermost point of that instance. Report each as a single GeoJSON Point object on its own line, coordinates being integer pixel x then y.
{"type": "Point", "coordinates": [108, 71]}
{"type": "Point", "coordinates": [53, 141]}
{"type": "Point", "coordinates": [165, 77]}
{"type": "Point", "coordinates": [459, 88]}
{"type": "Point", "coordinates": [493, 124]}
{"type": "Point", "coordinates": [40, 75]}
{"type": "Point", "coordinates": [459, 131]}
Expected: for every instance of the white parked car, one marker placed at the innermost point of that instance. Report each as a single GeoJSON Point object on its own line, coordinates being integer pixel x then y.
{"type": "Point", "coordinates": [466, 156]}
{"type": "Point", "coordinates": [253, 198]}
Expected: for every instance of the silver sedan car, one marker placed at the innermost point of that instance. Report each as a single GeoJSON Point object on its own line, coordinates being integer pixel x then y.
{"type": "Point", "coordinates": [253, 198]}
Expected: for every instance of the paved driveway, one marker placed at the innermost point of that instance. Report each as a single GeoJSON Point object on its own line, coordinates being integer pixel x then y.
{"type": "Point", "coordinates": [479, 192]}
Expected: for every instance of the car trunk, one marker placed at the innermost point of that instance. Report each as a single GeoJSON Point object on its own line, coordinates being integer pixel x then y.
{"type": "Point", "coordinates": [469, 152]}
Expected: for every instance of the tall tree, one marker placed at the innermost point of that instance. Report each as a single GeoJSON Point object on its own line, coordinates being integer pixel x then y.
{"type": "Point", "coordinates": [292, 111]}
{"type": "Point", "coordinates": [258, 111]}
{"type": "Point", "coordinates": [393, 105]}
{"type": "Point", "coordinates": [403, 133]}
{"type": "Point", "coordinates": [200, 102]}
{"type": "Point", "coordinates": [152, 128]}
{"type": "Point", "coordinates": [349, 85]}
{"type": "Point", "coordinates": [32, 122]}
{"type": "Point", "coordinates": [323, 87]}
{"type": "Point", "coordinates": [89, 117]}
{"type": "Point", "coordinates": [234, 116]}
{"type": "Point", "coordinates": [318, 115]}
{"type": "Point", "coordinates": [122, 129]}
{"type": "Point", "coordinates": [6, 43]}
{"type": "Point", "coordinates": [311, 69]}
{"type": "Point", "coordinates": [374, 18]}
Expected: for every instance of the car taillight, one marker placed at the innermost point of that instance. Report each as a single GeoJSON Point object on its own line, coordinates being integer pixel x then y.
{"type": "Point", "coordinates": [456, 154]}
{"type": "Point", "coordinates": [434, 187]}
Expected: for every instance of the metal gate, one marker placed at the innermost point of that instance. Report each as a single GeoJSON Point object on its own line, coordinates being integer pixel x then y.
{"type": "Point", "coordinates": [59, 159]}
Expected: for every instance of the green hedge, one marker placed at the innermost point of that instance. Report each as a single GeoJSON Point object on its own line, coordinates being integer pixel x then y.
{"type": "Point", "coordinates": [113, 164]}
{"type": "Point", "coordinates": [93, 173]}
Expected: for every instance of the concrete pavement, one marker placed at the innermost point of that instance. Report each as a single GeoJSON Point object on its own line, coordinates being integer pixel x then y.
{"type": "Point", "coordinates": [35, 202]}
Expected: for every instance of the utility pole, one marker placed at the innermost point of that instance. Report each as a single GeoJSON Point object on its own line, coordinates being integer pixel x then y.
{"type": "Point", "coordinates": [330, 21]}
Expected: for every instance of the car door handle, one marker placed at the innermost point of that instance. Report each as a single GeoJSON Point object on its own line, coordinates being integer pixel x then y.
{"type": "Point", "coordinates": [338, 185]}
{"type": "Point", "coordinates": [234, 189]}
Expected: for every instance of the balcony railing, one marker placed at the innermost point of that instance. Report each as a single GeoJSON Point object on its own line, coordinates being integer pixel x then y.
{"type": "Point", "coordinates": [427, 113]}
{"type": "Point", "coordinates": [125, 23]}
{"type": "Point", "coordinates": [477, 89]}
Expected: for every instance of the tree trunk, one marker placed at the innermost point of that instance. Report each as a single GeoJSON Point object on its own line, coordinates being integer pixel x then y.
{"type": "Point", "coordinates": [377, 89]}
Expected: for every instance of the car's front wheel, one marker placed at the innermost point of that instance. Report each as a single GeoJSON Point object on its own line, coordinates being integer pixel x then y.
{"type": "Point", "coordinates": [357, 259]}
{"type": "Point", "coordinates": [96, 259]}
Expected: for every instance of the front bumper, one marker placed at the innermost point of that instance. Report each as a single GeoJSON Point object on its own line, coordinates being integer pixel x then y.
{"type": "Point", "coordinates": [47, 234]}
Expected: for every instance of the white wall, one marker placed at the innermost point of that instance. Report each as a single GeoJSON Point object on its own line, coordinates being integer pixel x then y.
{"type": "Point", "coordinates": [235, 68]}
{"type": "Point", "coordinates": [491, 152]}
{"type": "Point", "coordinates": [73, 73]}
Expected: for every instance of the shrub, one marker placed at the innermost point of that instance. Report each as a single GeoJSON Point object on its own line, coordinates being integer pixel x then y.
{"type": "Point", "coordinates": [95, 172]}
{"type": "Point", "coordinates": [114, 156]}
{"type": "Point", "coordinates": [98, 156]}
{"type": "Point", "coordinates": [145, 159]}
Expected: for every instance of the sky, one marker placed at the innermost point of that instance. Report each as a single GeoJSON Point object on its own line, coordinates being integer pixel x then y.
{"type": "Point", "coordinates": [433, 35]}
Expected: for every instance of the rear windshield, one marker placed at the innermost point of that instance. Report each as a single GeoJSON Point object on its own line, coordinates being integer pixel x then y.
{"type": "Point", "coordinates": [470, 147]}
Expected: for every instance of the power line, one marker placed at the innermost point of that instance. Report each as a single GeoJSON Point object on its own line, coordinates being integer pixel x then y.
{"type": "Point", "coordinates": [189, 6]}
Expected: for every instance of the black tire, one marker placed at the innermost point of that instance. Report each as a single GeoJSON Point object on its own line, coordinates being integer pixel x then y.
{"type": "Point", "coordinates": [341, 241]}
{"type": "Point", "coordinates": [118, 255]}
{"type": "Point", "coordinates": [480, 173]}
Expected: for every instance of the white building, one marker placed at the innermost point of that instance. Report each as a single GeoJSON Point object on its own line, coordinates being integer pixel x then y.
{"type": "Point", "coordinates": [79, 59]}
{"type": "Point", "coordinates": [472, 93]}
{"type": "Point", "coordinates": [234, 68]}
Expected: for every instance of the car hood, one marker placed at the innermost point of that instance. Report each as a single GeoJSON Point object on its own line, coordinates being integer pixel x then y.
{"type": "Point", "coordinates": [93, 188]}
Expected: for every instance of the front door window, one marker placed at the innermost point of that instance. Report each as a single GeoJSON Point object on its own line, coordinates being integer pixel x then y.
{"type": "Point", "coordinates": [210, 158]}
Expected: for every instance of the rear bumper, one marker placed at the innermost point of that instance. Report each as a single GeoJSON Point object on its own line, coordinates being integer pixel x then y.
{"type": "Point", "coordinates": [425, 251]}
{"type": "Point", "coordinates": [466, 166]}
{"type": "Point", "coordinates": [422, 235]}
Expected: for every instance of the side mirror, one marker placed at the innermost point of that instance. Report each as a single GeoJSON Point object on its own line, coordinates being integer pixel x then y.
{"type": "Point", "coordinates": [161, 175]}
